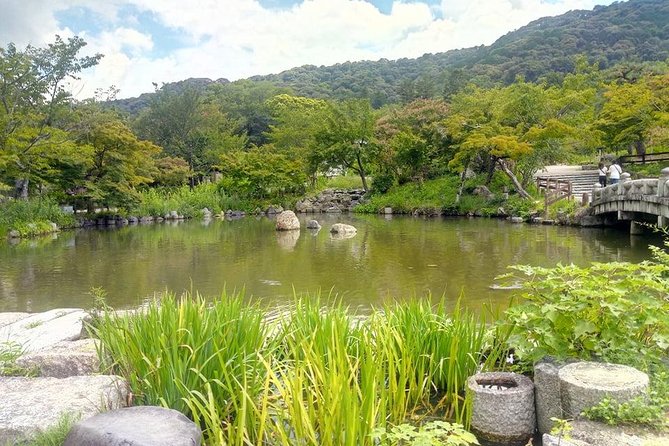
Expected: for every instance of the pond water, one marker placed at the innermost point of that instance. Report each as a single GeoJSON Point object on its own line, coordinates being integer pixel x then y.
{"type": "Point", "coordinates": [389, 258]}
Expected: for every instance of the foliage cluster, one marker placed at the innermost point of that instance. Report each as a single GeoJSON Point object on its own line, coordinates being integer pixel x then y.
{"type": "Point", "coordinates": [32, 217]}
{"type": "Point", "coordinates": [433, 433]}
{"type": "Point", "coordinates": [312, 373]}
{"type": "Point", "coordinates": [613, 312]}
{"type": "Point", "coordinates": [187, 202]}
{"type": "Point", "coordinates": [651, 409]}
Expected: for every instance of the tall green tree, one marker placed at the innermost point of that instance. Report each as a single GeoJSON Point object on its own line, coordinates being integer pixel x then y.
{"type": "Point", "coordinates": [346, 139]}
{"type": "Point", "coordinates": [188, 126]}
{"type": "Point", "coordinates": [34, 109]}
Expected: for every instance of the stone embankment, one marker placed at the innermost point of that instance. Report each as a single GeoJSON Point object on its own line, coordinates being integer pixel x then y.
{"type": "Point", "coordinates": [331, 201]}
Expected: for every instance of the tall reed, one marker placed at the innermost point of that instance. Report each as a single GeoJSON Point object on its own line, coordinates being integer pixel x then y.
{"type": "Point", "coordinates": [314, 377]}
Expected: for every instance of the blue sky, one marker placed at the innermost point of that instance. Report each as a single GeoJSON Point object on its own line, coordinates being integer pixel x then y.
{"type": "Point", "coordinates": [147, 41]}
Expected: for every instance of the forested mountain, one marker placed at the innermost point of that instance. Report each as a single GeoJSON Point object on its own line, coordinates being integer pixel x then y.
{"type": "Point", "coordinates": [634, 31]}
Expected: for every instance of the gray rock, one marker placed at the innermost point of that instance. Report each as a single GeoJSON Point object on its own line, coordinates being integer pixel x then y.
{"type": "Point", "coordinates": [592, 433]}
{"type": "Point", "coordinates": [287, 221]}
{"type": "Point", "coordinates": [206, 213]}
{"type": "Point", "coordinates": [133, 220]}
{"type": "Point", "coordinates": [482, 191]}
{"type": "Point", "coordinates": [136, 426]}
{"type": "Point", "coordinates": [69, 358]}
{"type": "Point", "coordinates": [14, 234]}
{"type": "Point", "coordinates": [10, 318]}
{"type": "Point", "coordinates": [333, 209]}
{"type": "Point", "coordinates": [33, 404]}
{"type": "Point", "coordinates": [585, 384]}
{"type": "Point", "coordinates": [516, 219]}
{"type": "Point", "coordinates": [550, 440]}
{"type": "Point", "coordinates": [272, 210]}
{"type": "Point", "coordinates": [173, 215]}
{"type": "Point", "coordinates": [503, 407]}
{"type": "Point", "coordinates": [313, 224]}
{"type": "Point", "coordinates": [343, 231]}
{"type": "Point", "coordinates": [42, 330]}
{"type": "Point", "coordinates": [547, 394]}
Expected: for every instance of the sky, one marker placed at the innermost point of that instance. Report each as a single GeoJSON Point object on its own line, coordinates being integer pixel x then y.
{"type": "Point", "coordinates": [147, 41]}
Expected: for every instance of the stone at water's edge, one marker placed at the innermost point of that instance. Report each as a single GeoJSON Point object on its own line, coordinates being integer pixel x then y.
{"type": "Point", "coordinates": [341, 231]}
{"type": "Point", "coordinates": [287, 221]}
{"type": "Point", "coordinates": [42, 330]}
{"type": "Point", "coordinates": [30, 405]}
{"type": "Point", "coordinates": [10, 318]}
{"type": "Point", "coordinates": [313, 224]}
{"type": "Point", "coordinates": [550, 440]}
{"type": "Point", "coordinates": [136, 426]}
{"type": "Point", "coordinates": [585, 384]}
{"type": "Point", "coordinates": [68, 358]}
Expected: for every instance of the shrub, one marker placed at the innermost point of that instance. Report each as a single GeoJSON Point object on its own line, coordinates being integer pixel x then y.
{"type": "Point", "coordinates": [614, 312]}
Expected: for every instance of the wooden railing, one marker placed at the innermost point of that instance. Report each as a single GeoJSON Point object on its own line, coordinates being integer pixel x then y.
{"type": "Point", "coordinates": [645, 158]}
{"type": "Point", "coordinates": [554, 189]}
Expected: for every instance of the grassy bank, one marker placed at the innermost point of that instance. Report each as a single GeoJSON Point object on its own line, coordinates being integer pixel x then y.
{"type": "Point", "coordinates": [438, 196]}
{"type": "Point", "coordinates": [32, 217]}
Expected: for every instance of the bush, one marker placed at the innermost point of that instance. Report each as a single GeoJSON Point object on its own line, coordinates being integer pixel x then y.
{"type": "Point", "coordinates": [33, 217]}
{"type": "Point", "coordinates": [615, 312]}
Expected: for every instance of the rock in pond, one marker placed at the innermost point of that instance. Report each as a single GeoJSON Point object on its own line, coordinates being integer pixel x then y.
{"type": "Point", "coordinates": [68, 358]}
{"type": "Point", "coordinates": [287, 221]}
{"type": "Point", "coordinates": [313, 224]}
{"type": "Point", "coordinates": [135, 426]}
{"type": "Point", "coordinates": [342, 231]}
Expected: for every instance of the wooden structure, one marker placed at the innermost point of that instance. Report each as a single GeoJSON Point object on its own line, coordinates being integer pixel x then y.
{"type": "Point", "coordinates": [645, 158]}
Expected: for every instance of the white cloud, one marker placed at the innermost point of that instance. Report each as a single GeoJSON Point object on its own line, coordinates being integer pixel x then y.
{"type": "Point", "coordinates": [239, 38]}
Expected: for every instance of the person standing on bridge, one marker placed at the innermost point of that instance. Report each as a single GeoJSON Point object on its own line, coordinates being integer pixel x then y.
{"type": "Point", "coordinates": [614, 172]}
{"type": "Point", "coordinates": [602, 174]}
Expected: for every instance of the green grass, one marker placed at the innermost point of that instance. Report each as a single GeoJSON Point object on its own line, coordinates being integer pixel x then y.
{"type": "Point", "coordinates": [340, 182]}
{"type": "Point", "coordinates": [54, 435]}
{"type": "Point", "coordinates": [187, 202]}
{"type": "Point", "coordinates": [315, 374]}
{"type": "Point", "coordinates": [32, 217]}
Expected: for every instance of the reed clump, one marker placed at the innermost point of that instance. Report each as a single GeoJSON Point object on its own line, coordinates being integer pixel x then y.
{"type": "Point", "coordinates": [316, 376]}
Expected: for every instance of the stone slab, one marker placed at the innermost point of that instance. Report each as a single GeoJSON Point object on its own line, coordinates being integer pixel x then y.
{"type": "Point", "coordinates": [599, 434]}
{"type": "Point", "coordinates": [135, 426]}
{"type": "Point", "coordinates": [43, 330]}
{"type": "Point", "coordinates": [33, 404]}
{"type": "Point", "coordinates": [68, 358]}
{"type": "Point", "coordinates": [10, 318]}
{"type": "Point", "coordinates": [585, 384]}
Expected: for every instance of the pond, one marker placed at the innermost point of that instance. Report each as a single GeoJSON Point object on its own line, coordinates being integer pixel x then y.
{"type": "Point", "coordinates": [389, 258]}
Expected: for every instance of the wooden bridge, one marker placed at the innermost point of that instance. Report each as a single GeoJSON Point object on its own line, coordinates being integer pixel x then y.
{"type": "Point", "coordinates": [634, 200]}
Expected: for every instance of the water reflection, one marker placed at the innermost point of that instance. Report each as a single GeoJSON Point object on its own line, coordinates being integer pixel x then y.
{"type": "Point", "coordinates": [388, 259]}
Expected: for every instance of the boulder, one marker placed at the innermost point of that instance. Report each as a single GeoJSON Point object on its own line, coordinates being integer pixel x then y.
{"type": "Point", "coordinates": [340, 231]}
{"type": "Point", "coordinates": [14, 234]}
{"type": "Point", "coordinates": [516, 219]}
{"type": "Point", "coordinates": [592, 433]}
{"type": "Point", "coordinates": [272, 210]}
{"type": "Point", "coordinates": [206, 213]}
{"type": "Point", "coordinates": [313, 224]}
{"type": "Point", "coordinates": [287, 221]}
{"type": "Point", "coordinates": [482, 191]}
{"type": "Point", "coordinates": [137, 426]}
{"type": "Point", "coordinates": [43, 330]}
{"type": "Point", "coordinates": [69, 358]}
{"type": "Point", "coordinates": [30, 405]}
{"type": "Point", "coordinates": [10, 318]}
{"type": "Point", "coordinates": [341, 228]}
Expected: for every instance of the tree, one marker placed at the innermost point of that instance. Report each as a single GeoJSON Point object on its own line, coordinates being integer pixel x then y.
{"type": "Point", "coordinates": [34, 106]}
{"type": "Point", "coordinates": [346, 138]}
{"type": "Point", "coordinates": [633, 111]}
{"type": "Point", "coordinates": [187, 126]}
{"type": "Point", "coordinates": [119, 163]}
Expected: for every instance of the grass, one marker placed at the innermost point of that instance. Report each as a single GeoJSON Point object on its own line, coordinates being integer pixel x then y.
{"type": "Point", "coordinates": [187, 202]}
{"type": "Point", "coordinates": [54, 435]}
{"type": "Point", "coordinates": [339, 182]}
{"type": "Point", "coordinates": [32, 217]}
{"type": "Point", "coordinates": [315, 376]}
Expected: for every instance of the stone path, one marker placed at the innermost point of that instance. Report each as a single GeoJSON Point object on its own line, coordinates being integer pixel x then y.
{"type": "Point", "coordinates": [52, 348]}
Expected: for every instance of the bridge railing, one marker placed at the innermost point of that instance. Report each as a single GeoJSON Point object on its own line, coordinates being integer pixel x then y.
{"type": "Point", "coordinates": [632, 189]}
